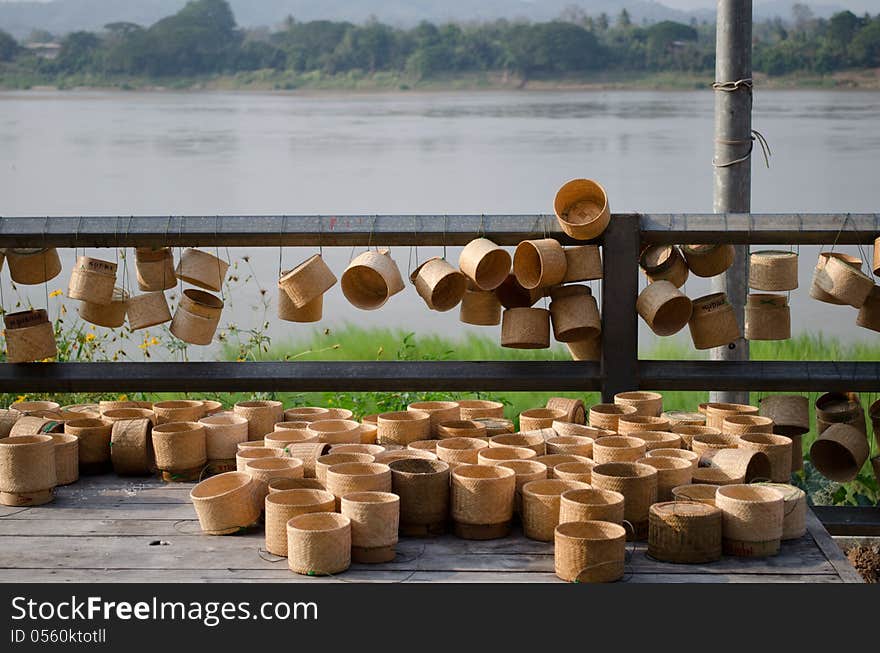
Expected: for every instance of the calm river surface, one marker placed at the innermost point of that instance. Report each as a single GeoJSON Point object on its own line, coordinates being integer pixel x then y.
{"type": "Point", "coordinates": [159, 153]}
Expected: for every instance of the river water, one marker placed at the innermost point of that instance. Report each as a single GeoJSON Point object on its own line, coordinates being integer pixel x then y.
{"type": "Point", "coordinates": [206, 153]}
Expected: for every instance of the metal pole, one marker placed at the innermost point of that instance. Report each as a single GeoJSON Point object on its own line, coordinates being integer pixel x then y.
{"type": "Point", "coordinates": [733, 127]}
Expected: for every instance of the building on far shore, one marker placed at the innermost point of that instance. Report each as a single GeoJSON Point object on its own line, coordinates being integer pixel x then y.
{"type": "Point", "coordinates": [45, 50]}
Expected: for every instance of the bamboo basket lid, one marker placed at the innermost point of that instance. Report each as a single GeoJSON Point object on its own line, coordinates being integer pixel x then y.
{"type": "Point", "coordinates": [581, 207]}
{"type": "Point", "coordinates": [773, 270]}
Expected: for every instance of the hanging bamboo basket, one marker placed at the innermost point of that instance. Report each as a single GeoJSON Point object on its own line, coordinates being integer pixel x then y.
{"type": "Point", "coordinates": [423, 488]}
{"type": "Point", "coordinates": [752, 519]}
{"type": "Point", "coordinates": [345, 478]}
{"type": "Point", "coordinates": [539, 263]}
{"type": "Point", "coordinates": [223, 433]}
{"type": "Point", "coordinates": [638, 485]}
{"type": "Point", "coordinates": [582, 263]}
{"type": "Point", "coordinates": [375, 517]}
{"type": "Point", "coordinates": [839, 408]}
{"type": "Point", "coordinates": [319, 544]}
{"type": "Point", "coordinates": [92, 280]}
{"type": "Point", "coordinates": [484, 263]}
{"type": "Point", "coordinates": [308, 281]}
{"type": "Point", "coordinates": [131, 447]}
{"type": "Point", "coordinates": [110, 316]}
{"type": "Point", "coordinates": [816, 291]}
{"type": "Point", "coordinates": [29, 336]}
{"type": "Point", "coordinates": [664, 308]}
{"type": "Point", "coordinates": [540, 506]}
{"type": "Point", "coordinates": [581, 208]}
{"type": "Point", "coordinates": [844, 282]}
{"type": "Point", "coordinates": [790, 413]}
{"type": "Point", "coordinates": [575, 316]}
{"type": "Point", "coordinates": [590, 504]}
{"type": "Point", "coordinates": [371, 279]}
{"type": "Point", "coordinates": [33, 266]}
{"type": "Point", "coordinates": [773, 270]}
{"type": "Point", "coordinates": [664, 263]}
{"type": "Point", "coordinates": [869, 313]}
{"type": "Point", "coordinates": [589, 551]}
{"type": "Point", "coordinates": [511, 294]}
{"type": "Point", "coordinates": [482, 501]}
{"type": "Point", "coordinates": [684, 532]}
{"type": "Point", "coordinates": [202, 269]}
{"type": "Point", "coordinates": [708, 260]}
{"type": "Point", "coordinates": [585, 350]}
{"type": "Point", "coordinates": [525, 328]}
{"type": "Point", "coordinates": [480, 308]}
{"type": "Point", "coordinates": [94, 443]}
{"type": "Point", "coordinates": [767, 317]}
{"type": "Point", "coordinates": [311, 312]}
{"type": "Point", "coordinates": [284, 505]}
{"type": "Point", "coordinates": [155, 269]}
{"type": "Point", "coordinates": [147, 310]}
{"type": "Point", "coordinates": [713, 322]}
{"type": "Point", "coordinates": [27, 470]}
{"type": "Point", "coordinates": [262, 415]}
{"type": "Point", "coordinates": [197, 316]}
{"type": "Point", "coordinates": [840, 452]}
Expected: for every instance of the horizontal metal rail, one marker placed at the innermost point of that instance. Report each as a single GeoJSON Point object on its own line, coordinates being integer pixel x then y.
{"type": "Point", "coordinates": [350, 230]}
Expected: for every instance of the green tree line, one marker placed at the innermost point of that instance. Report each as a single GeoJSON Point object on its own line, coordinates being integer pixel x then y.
{"type": "Point", "coordinates": [203, 38]}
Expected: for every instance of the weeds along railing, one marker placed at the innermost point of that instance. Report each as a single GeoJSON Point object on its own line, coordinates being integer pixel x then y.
{"type": "Point", "coordinates": [619, 370]}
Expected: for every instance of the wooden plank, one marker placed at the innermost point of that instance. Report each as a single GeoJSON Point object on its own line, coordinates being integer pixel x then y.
{"type": "Point", "coordinates": [832, 552]}
{"type": "Point", "coordinates": [849, 520]}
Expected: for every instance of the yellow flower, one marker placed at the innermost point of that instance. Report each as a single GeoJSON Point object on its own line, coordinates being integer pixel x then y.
{"type": "Point", "coordinates": [90, 337]}
{"type": "Point", "coordinates": [55, 293]}
{"type": "Point", "coordinates": [123, 398]}
{"type": "Point", "coordinates": [22, 398]}
{"type": "Point", "coordinates": [154, 341]}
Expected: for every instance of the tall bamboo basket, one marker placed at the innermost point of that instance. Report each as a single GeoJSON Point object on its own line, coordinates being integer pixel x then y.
{"type": "Point", "coordinates": [202, 269]}
{"type": "Point", "coordinates": [33, 266]}
{"type": "Point", "coordinates": [575, 316]}
{"type": "Point", "coordinates": [778, 450]}
{"type": "Point", "coordinates": [540, 506]}
{"type": "Point", "coordinates": [582, 263]}
{"type": "Point", "coordinates": [131, 447]}
{"type": "Point", "coordinates": [684, 531]}
{"type": "Point", "coordinates": [284, 484]}
{"type": "Point", "coordinates": [403, 427]}
{"type": "Point", "coordinates": [155, 269]}
{"type": "Point", "coordinates": [223, 433]}
{"type": "Point", "coordinates": [589, 551]}
{"type": "Point", "coordinates": [357, 477]}
{"type": "Point", "coordinates": [114, 415]}
{"type": "Point", "coordinates": [282, 437]}
{"type": "Point", "coordinates": [607, 416]}
{"type": "Point", "coordinates": [94, 443]}
{"type": "Point", "coordinates": [147, 310]}
{"type": "Point", "coordinates": [27, 470]}
{"type": "Point", "coordinates": [618, 448]}
{"type": "Point", "coordinates": [869, 313]}
{"type": "Point", "coordinates": [261, 416]}
{"type": "Point", "coordinates": [553, 460]}
{"type": "Point", "coordinates": [565, 429]}
{"type": "Point", "coordinates": [840, 452]}
{"type": "Point", "coordinates": [180, 410]}
{"type": "Point", "coordinates": [671, 472]}
{"type": "Point", "coordinates": [29, 336]}
{"type": "Point", "coordinates": [480, 308]}
{"type": "Point", "coordinates": [92, 280]}
{"type": "Point", "coordinates": [308, 281]}
{"type": "Point", "coordinates": [638, 485]}
{"type": "Point", "coordinates": [708, 260]}
{"type": "Point", "coordinates": [794, 522]}
{"type": "Point", "coordinates": [701, 443]}
{"type": "Point", "coordinates": [284, 505]}
{"type": "Point", "coordinates": [110, 316]}
{"type": "Point", "coordinates": [773, 270]}
{"type": "Point", "coordinates": [66, 447]}
{"type": "Point", "coordinates": [752, 519]}
{"type": "Point", "coordinates": [713, 321]}
{"type": "Point", "coordinates": [319, 544]}
{"type": "Point", "coordinates": [816, 291]}
{"type": "Point", "coordinates": [179, 448]}
{"type": "Point", "coordinates": [844, 282]}
{"type": "Point", "coordinates": [717, 412]}
{"type": "Point", "coordinates": [581, 208]}
{"type": "Point", "coordinates": [226, 503]}
{"type": "Point", "coordinates": [371, 279]}
{"type": "Point", "coordinates": [375, 517]}
{"type": "Point", "coordinates": [438, 411]}
{"type": "Point", "coordinates": [511, 294]}
{"type": "Point", "coordinates": [482, 501]}
{"type": "Point", "coordinates": [539, 263]}
{"type": "Point", "coordinates": [664, 263]}
{"type": "Point", "coordinates": [525, 328]}
{"type": "Point", "coordinates": [649, 404]}
{"type": "Point", "coordinates": [389, 456]}
{"type": "Point", "coordinates": [196, 317]}
{"type": "Point", "coordinates": [484, 263]}
{"type": "Point", "coordinates": [423, 488]}
{"type": "Point", "coordinates": [306, 414]}
{"type": "Point", "coordinates": [582, 472]}
{"type": "Point", "coordinates": [716, 476]}
{"type": "Point", "coordinates": [767, 317]}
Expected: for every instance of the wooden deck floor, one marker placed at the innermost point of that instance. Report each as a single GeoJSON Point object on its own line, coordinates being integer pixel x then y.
{"type": "Point", "coordinates": [109, 529]}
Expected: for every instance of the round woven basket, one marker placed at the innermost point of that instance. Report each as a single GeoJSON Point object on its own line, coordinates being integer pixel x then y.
{"type": "Point", "coordinates": [179, 446]}
{"type": "Point", "coordinates": [86, 410]}
{"type": "Point", "coordinates": [264, 470]}
{"type": "Point", "coordinates": [261, 416]}
{"type": "Point", "coordinates": [178, 411]}
{"type": "Point", "coordinates": [565, 429]}
{"type": "Point", "coordinates": [155, 269]}
{"type": "Point", "coordinates": [387, 457]}
{"type": "Point", "coordinates": [717, 412]}
{"type": "Point", "coordinates": [460, 451]}
{"type": "Point", "coordinates": [27, 470]}
{"type": "Point", "coordinates": [29, 336]}
{"type": "Point", "coordinates": [371, 279]}
{"type": "Point", "coordinates": [741, 424]}
{"type": "Point", "coordinates": [244, 456]}
{"type": "Point", "coordinates": [465, 428]}
{"type": "Point", "coordinates": [539, 263]}
{"type": "Point", "coordinates": [476, 408]}
{"type": "Point", "coordinates": [284, 505]}
{"type": "Point", "coordinates": [575, 317]}
{"type": "Point", "coordinates": [104, 406]}
{"type": "Point", "coordinates": [581, 472]}
{"type": "Point", "coordinates": [196, 317]}
{"type": "Point", "coordinates": [511, 294]}
{"type": "Point", "coordinates": [495, 425]}
{"type": "Point", "coordinates": [664, 263]}
{"type": "Point", "coordinates": [525, 328]}
{"type": "Point", "coordinates": [684, 531]}
{"type": "Point", "coordinates": [575, 410]}
{"type": "Point", "coordinates": [439, 284]}
{"type": "Point", "coordinates": [403, 427]}
{"type": "Point", "coordinates": [281, 438]}
{"type": "Point", "coordinates": [794, 522]}
{"type": "Point", "coordinates": [776, 447]}
{"type": "Point", "coordinates": [671, 472]}
{"type": "Point", "coordinates": [147, 310]}
{"type": "Point", "coordinates": [423, 488]}
{"type": "Point", "coordinates": [114, 415]}
{"type": "Point", "coordinates": [649, 404]}
{"type": "Point", "coordinates": [816, 291]}
{"type": "Point", "coordinates": [223, 433]}
{"type": "Point", "coordinates": [307, 282]}
{"type": "Point", "coordinates": [657, 439]}
{"type": "Point", "coordinates": [306, 414]}
{"type": "Point", "coordinates": [131, 447]}
{"type": "Point", "coordinates": [683, 418]}
{"type": "Point", "coordinates": [66, 458]}
{"type": "Point", "coordinates": [357, 477]}
{"type": "Point", "coordinates": [717, 476]}
{"type": "Point", "coordinates": [484, 263]}
{"type": "Point", "coordinates": [790, 414]}
{"type": "Point", "coordinates": [767, 317]}
{"type": "Point", "coordinates": [526, 471]}
{"type": "Point", "coordinates": [606, 416]}
{"type": "Point", "coordinates": [540, 506]}
{"type": "Point", "coordinates": [494, 455]}
{"type": "Point", "coordinates": [30, 266]}
{"type": "Point", "coordinates": [581, 208]}
{"type": "Point", "coordinates": [92, 280]}
{"type": "Point", "coordinates": [618, 448]}
{"type": "Point", "coordinates": [576, 445]}
{"type": "Point", "coordinates": [34, 425]}
{"type": "Point", "coordinates": [482, 500]}
{"type": "Point", "coordinates": [752, 519]}
{"type": "Point", "coordinates": [554, 460]}
{"type": "Point", "coordinates": [582, 263]}
{"type": "Point", "coordinates": [590, 504]}
{"type": "Point", "coordinates": [94, 443]}
{"type": "Point", "coordinates": [540, 418]}
{"type": "Point", "coordinates": [336, 431]}
{"type": "Point", "coordinates": [840, 408]}
{"type": "Point", "coordinates": [844, 282]}
{"type": "Point", "coordinates": [679, 454]}
{"type": "Point", "coordinates": [589, 551]}
{"type": "Point", "coordinates": [319, 544]}
{"type": "Point", "coordinates": [840, 452]}
{"type": "Point", "coordinates": [284, 484]}
{"type": "Point", "coordinates": [627, 424]}
{"type": "Point", "coordinates": [202, 269]}
{"type": "Point", "coordinates": [699, 492]}
{"type": "Point", "coordinates": [28, 408]}
{"type": "Point", "coordinates": [371, 449]}
{"type": "Point", "coordinates": [773, 270]}
{"type": "Point", "coordinates": [438, 411]}
{"type": "Point", "coordinates": [708, 260]}
{"type": "Point", "coordinates": [533, 440]}
{"type": "Point", "coordinates": [111, 315]}
{"type": "Point", "coordinates": [713, 322]}
{"type": "Point", "coordinates": [325, 462]}
{"type": "Point", "coordinates": [741, 463]}
{"type": "Point", "coordinates": [340, 413]}
{"type": "Point", "coordinates": [311, 312]}
{"type": "Point", "coordinates": [226, 503]}
{"type": "Point", "coordinates": [869, 313]}
{"type": "Point", "coordinates": [701, 443]}
{"type": "Point", "coordinates": [308, 453]}
{"type": "Point", "coordinates": [375, 517]}
{"type": "Point", "coordinates": [480, 308]}
{"type": "Point", "coordinates": [8, 418]}
{"type": "Point", "coordinates": [638, 485]}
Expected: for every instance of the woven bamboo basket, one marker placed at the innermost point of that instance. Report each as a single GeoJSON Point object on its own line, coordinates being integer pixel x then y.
{"type": "Point", "coordinates": [92, 280]}
{"type": "Point", "coordinates": [526, 471]}
{"type": "Point", "coordinates": [664, 263]}
{"type": "Point", "coordinates": [375, 517]}
{"type": "Point", "coordinates": [495, 425]}
{"type": "Point", "coordinates": [701, 443]}
{"type": "Point", "coordinates": [424, 445]}
{"type": "Point", "coordinates": [261, 416]}
{"type": "Point", "coordinates": [717, 476]}
{"type": "Point", "coordinates": [627, 424]}
{"type": "Point", "coordinates": [131, 447]}
{"type": "Point", "coordinates": [371, 449]}
{"type": "Point", "coordinates": [63, 415]}
{"type": "Point", "coordinates": [750, 465]}
{"type": "Point", "coordinates": [29, 336]}
{"type": "Point", "coordinates": [606, 416]}
{"type": "Point", "coordinates": [776, 447]}
{"type": "Point", "coordinates": [336, 431]}
{"type": "Point", "coordinates": [708, 260]}
{"type": "Point", "coordinates": [319, 544]}
{"type": "Point", "coordinates": [94, 443]}
{"type": "Point", "coordinates": [684, 418]}
{"type": "Point", "coordinates": [155, 269]}
{"type": "Point", "coordinates": [28, 408]}
{"type": "Point", "coordinates": [284, 505]}
{"type": "Point", "coordinates": [264, 470]}
{"type": "Point", "coordinates": [255, 444]}
{"type": "Point", "coordinates": [540, 506]}
{"type": "Point", "coordinates": [306, 414]}
{"type": "Point", "coordinates": [618, 448]}
{"type": "Point", "coordinates": [460, 451]}
{"type": "Point", "coordinates": [482, 501]}
{"type": "Point", "coordinates": [33, 266]}
{"type": "Point", "coordinates": [590, 504]}
{"type": "Point", "coordinates": [465, 428]}
{"type": "Point", "coordinates": [794, 508]}
{"type": "Point", "coordinates": [66, 447]}
{"type": "Point", "coordinates": [533, 440]}
{"type": "Point", "coordinates": [8, 418]}
{"type": "Point", "coordinates": [773, 270]}
{"type": "Point", "coordinates": [480, 308]}
{"type": "Point", "coordinates": [638, 485]}
{"type": "Point", "coordinates": [27, 470]}
{"type": "Point", "coordinates": [649, 404]}
{"type": "Point", "coordinates": [575, 410]}
{"type": "Point", "coordinates": [281, 438]}
{"type": "Point", "coordinates": [657, 439]}
{"type": "Point", "coordinates": [767, 317]}
{"type": "Point", "coordinates": [34, 425]}
{"type": "Point", "coordinates": [325, 462]}
{"type": "Point", "coordinates": [86, 410]}
{"type": "Point", "coordinates": [840, 452]}
{"type": "Point", "coordinates": [226, 503]}
{"type": "Point", "coordinates": [179, 446]}
{"type": "Point", "coordinates": [114, 415]}
{"type": "Point", "coordinates": [511, 294]}
{"type": "Point", "coordinates": [110, 316]}
{"type": "Point", "coordinates": [105, 405]}
{"type": "Point", "coordinates": [387, 457]}
{"type": "Point", "coordinates": [741, 424]}
{"type": "Point", "coordinates": [564, 429]}
{"type": "Point", "coordinates": [575, 317]}
{"type": "Point", "coordinates": [525, 328]}
{"type": "Point", "coordinates": [555, 459]}
{"type": "Point", "coordinates": [582, 263]}
{"type": "Point", "coordinates": [244, 456]}
{"type": "Point", "coordinates": [589, 551]}
{"type": "Point", "coordinates": [679, 454]}
{"type": "Point", "coordinates": [790, 414]}
{"type": "Point", "coordinates": [699, 492]}
{"type": "Point", "coordinates": [202, 269]}
{"type": "Point", "coordinates": [308, 453]}
{"type": "Point", "coordinates": [311, 312]}
{"type": "Point", "coordinates": [403, 427]}
{"type": "Point", "coordinates": [540, 418]}
{"type": "Point", "coordinates": [196, 317]}
{"type": "Point", "coordinates": [581, 472]}
{"type": "Point", "coordinates": [840, 408]}
{"type": "Point", "coordinates": [484, 263]}
{"type": "Point", "coordinates": [717, 412]}
{"type": "Point", "coordinates": [581, 207]}
{"type": "Point", "coordinates": [869, 313]}
{"type": "Point", "coordinates": [438, 411]}
{"type": "Point", "coordinates": [752, 519]}
{"type": "Point", "coordinates": [423, 488]}
{"type": "Point", "coordinates": [284, 484]}
{"type": "Point", "coordinates": [684, 532]}
{"type": "Point", "coordinates": [340, 413]}
{"type": "Point", "coordinates": [713, 322]}
{"type": "Point", "coordinates": [147, 310]}
{"type": "Point", "coordinates": [371, 279]}
{"type": "Point", "coordinates": [539, 263]}
{"type": "Point", "coordinates": [816, 291]}
{"type": "Point", "coordinates": [494, 455]}
{"type": "Point", "coordinates": [307, 282]}
{"type": "Point", "coordinates": [671, 472]}
{"type": "Point", "coordinates": [439, 284]}
{"type": "Point", "coordinates": [345, 478]}
{"type": "Point", "coordinates": [178, 411]}
{"type": "Point", "coordinates": [223, 433]}
{"type": "Point", "coordinates": [844, 282]}
{"type": "Point", "coordinates": [577, 445]}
